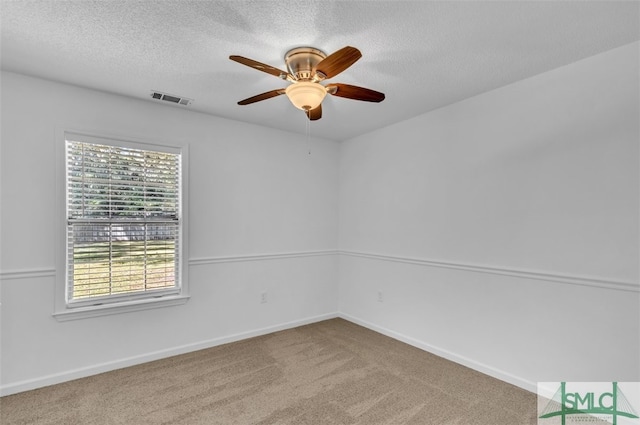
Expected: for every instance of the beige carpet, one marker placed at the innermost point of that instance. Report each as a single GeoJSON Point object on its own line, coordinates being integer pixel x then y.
{"type": "Point", "coordinates": [331, 372]}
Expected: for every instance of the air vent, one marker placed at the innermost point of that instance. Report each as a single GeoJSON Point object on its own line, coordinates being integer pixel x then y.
{"type": "Point", "coordinates": [171, 98]}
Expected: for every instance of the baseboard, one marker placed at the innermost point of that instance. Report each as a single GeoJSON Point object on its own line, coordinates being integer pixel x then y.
{"type": "Point", "coordinates": [69, 375]}
{"type": "Point", "coordinates": [465, 361]}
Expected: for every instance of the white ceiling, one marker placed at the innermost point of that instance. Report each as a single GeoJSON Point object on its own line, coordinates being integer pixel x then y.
{"type": "Point", "coordinates": [422, 55]}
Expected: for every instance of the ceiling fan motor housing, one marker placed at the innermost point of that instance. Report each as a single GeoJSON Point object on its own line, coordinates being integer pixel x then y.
{"type": "Point", "coordinates": [302, 61]}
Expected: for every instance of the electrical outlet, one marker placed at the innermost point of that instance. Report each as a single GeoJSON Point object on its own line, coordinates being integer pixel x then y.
{"type": "Point", "coordinates": [263, 297]}
{"type": "Point", "coordinates": [380, 296]}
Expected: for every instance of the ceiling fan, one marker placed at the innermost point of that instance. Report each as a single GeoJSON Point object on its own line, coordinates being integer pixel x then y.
{"type": "Point", "coordinates": [307, 68]}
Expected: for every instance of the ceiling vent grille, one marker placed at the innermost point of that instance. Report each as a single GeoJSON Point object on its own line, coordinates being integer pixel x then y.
{"type": "Point", "coordinates": [171, 98]}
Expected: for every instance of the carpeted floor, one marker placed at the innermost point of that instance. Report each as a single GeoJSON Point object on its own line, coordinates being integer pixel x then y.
{"type": "Point", "coordinates": [331, 372]}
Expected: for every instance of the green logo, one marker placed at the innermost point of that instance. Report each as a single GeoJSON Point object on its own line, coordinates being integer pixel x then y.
{"type": "Point", "coordinates": [584, 405]}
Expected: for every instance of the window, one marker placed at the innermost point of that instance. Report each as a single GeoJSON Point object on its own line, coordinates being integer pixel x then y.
{"type": "Point", "coordinates": [124, 223]}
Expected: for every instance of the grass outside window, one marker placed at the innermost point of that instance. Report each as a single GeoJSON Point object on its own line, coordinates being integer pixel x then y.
{"type": "Point", "coordinates": [120, 267]}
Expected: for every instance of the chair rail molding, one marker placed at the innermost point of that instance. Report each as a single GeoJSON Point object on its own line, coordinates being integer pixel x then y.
{"type": "Point", "coordinates": [32, 273]}
{"type": "Point", "coordinates": [593, 281]}
{"type": "Point", "coordinates": [259, 257]}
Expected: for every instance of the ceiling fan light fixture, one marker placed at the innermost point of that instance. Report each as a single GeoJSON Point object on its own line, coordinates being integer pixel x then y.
{"type": "Point", "coordinates": [306, 95]}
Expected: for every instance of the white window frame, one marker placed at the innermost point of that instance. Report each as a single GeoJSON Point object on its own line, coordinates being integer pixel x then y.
{"type": "Point", "coordinates": [64, 310]}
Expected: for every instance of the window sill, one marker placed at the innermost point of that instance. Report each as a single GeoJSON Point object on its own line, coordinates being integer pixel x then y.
{"type": "Point", "coordinates": [119, 308]}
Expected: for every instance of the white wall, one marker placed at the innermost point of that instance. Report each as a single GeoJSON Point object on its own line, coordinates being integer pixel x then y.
{"type": "Point", "coordinates": [502, 230]}
{"type": "Point", "coordinates": [254, 192]}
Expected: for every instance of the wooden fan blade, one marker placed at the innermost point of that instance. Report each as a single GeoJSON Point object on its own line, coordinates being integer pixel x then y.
{"type": "Point", "coordinates": [354, 92]}
{"type": "Point", "coordinates": [338, 61]}
{"type": "Point", "coordinates": [315, 113]}
{"type": "Point", "coordinates": [262, 96]}
{"type": "Point", "coordinates": [260, 66]}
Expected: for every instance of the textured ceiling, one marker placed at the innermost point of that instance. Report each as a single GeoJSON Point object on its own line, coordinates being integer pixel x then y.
{"type": "Point", "coordinates": [422, 55]}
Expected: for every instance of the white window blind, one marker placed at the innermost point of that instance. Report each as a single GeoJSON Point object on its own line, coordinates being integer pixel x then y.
{"type": "Point", "coordinates": [123, 222]}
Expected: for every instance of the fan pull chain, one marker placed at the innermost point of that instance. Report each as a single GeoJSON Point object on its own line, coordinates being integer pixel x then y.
{"type": "Point", "coordinates": [309, 130]}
